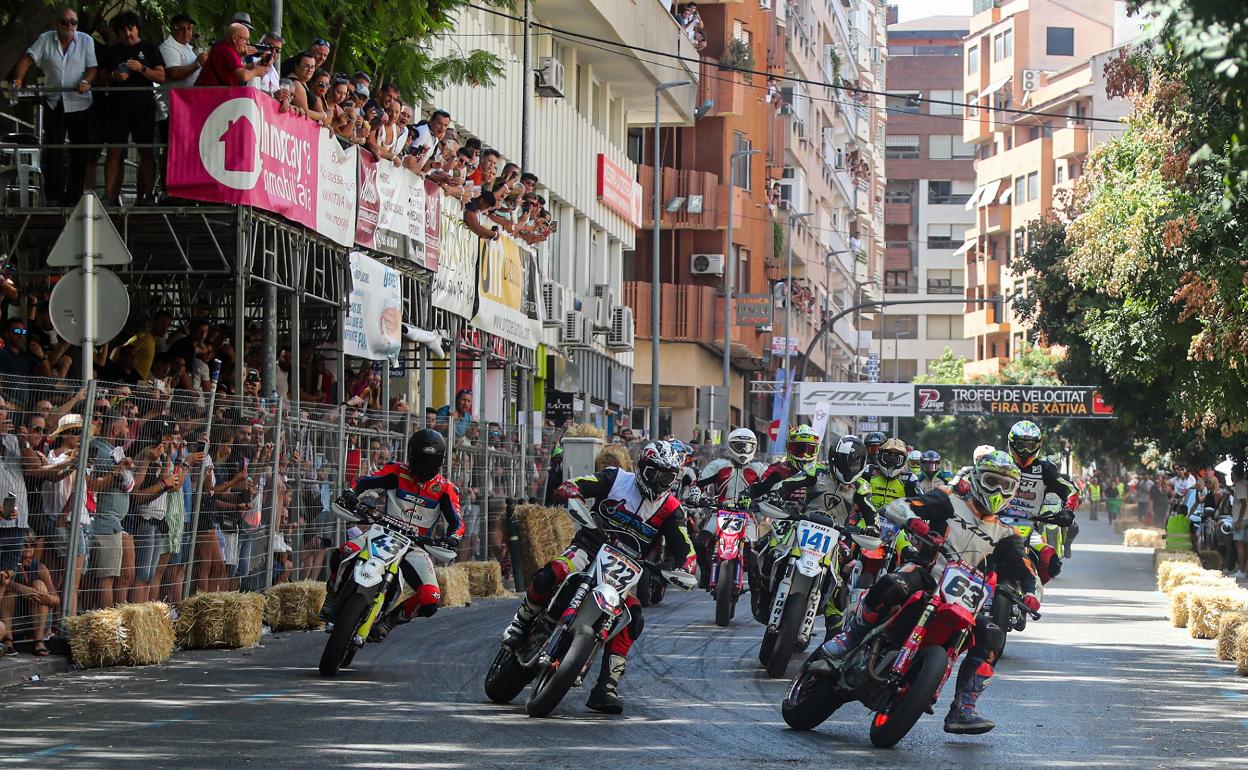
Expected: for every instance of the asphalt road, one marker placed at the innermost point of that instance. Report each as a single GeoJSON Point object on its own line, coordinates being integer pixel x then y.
{"type": "Point", "coordinates": [1101, 681]}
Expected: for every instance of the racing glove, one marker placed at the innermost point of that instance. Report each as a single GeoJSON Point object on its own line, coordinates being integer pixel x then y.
{"type": "Point", "coordinates": [918, 526]}
{"type": "Point", "coordinates": [452, 541]}
{"type": "Point", "coordinates": [568, 490]}
{"type": "Point", "coordinates": [1032, 602]}
{"type": "Point", "coordinates": [743, 502]}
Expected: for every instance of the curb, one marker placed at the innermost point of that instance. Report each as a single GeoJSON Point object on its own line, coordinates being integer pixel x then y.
{"type": "Point", "coordinates": [19, 669]}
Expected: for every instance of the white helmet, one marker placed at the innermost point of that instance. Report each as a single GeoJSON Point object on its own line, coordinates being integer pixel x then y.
{"type": "Point", "coordinates": [742, 444]}
{"type": "Point", "coordinates": [982, 451]}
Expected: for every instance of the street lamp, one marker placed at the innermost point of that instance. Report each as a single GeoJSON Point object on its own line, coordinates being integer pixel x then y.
{"type": "Point", "coordinates": [656, 285]}
{"type": "Point", "coordinates": [788, 323]}
{"type": "Point", "coordinates": [897, 333]}
{"type": "Point", "coordinates": [728, 277]}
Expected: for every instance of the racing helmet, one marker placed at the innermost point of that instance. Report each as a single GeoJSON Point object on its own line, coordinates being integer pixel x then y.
{"type": "Point", "coordinates": [802, 445]}
{"type": "Point", "coordinates": [742, 444]}
{"type": "Point", "coordinates": [994, 480]}
{"type": "Point", "coordinates": [426, 450]}
{"type": "Point", "coordinates": [982, 451]}
{"type": "Point", "coordinates": [892, 458]}
{"type": "Point", "coordinates": [1024, 440]}
{"type": "Point", "coordinates": [914, 460]}
{"type": "Point", "coordinates": [874, 441]}
{"type": "Point", "coordinates": [658, 467]}
{"type": "Point", "coordinates": [930, 461]}
{"type": "Point", "coordinates": [848, 459]}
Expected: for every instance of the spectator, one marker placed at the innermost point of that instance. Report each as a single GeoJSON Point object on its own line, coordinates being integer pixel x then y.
{"type": "Point", "coordinates": [156, 476]}
{"type": "Point", "coordinates": [149, 341]}
{"type": "Point", "coordinates": [270, 50]}
{"type": "Point", "coordinates": [67, 58]}
{"type": "Point", "coordinates": [111, 481]}
{"type": "Point", "coordinates": [19, 361]}
{"type": "Point", "coordinates": [429, 133]}
{"type": "Point", "coordinates": [225, 65]}
{"type": "Point", "coordinates": [16, 457]}
{"type": "Point", "coordinates": [132, 67]}
{"type": "Point", "coordinates": [64, 453]}
{"type": "Point", "coordinates": [485, 172]}
{"type": "Point", "coordinates": [463, 412]}
{"type": "Point", "coordinates": [1239, 520]}
{"type": "Point", "coordinates": [387, 141]}
{"type": "Point", "coordinates": [482, 205]}
{"type": "Point", "coordinates": [320, 51]}
{"type": "Point", "coordinates": [31, 594]}
{"type": "Point", "coordinates": [304, 97]}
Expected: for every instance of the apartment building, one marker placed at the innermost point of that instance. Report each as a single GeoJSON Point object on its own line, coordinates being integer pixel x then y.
{"type": "Point", "coordinates": [1044, 56]}
{"type": "Point", "coordinates": [931, 176]}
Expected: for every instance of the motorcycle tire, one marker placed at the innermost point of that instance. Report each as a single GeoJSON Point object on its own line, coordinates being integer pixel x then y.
{"type": "Point", "coordinates": [658, 591]}
{"type": "Point", "coordinates": [506, 678]}
{"type": "Point", "coordinates": [346, 622]}
{"type": "Point", "coordinates": [926, 674]}
{"type": "Point", "coordinates": [765, 649]}
{"type": "Point", "coordinates": [643, 589]}
{"type": "Point", "coordinates": [725, 593]}
{"type": "Point", "coordinates": [811, 700]}
{"type": "Point", "coordinates": [786, 636]}
{"type": "Point", "coordinates": [554, 683]}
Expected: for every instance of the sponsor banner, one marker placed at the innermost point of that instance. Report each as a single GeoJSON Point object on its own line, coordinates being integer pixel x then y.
{"type": "Point", "coordinates": [501, 292]}
{"type": "Point", "coordinates": [779, 348]}
{"type": "Point", "coordinates": [856, 399]}
{"type": "Point", "coordinates": [752, 309]}
{"type": "Point", "coordinates": [1012, 400]}
{"type": "Point", "coordinates": [433, 224]}
{"type": "Point", "coordinates": [454, 286]}
{"type": "Point", "coordinates": [374, 324]}
{"type": "Point", "coordinates": [231, 145]}
{"type": "Point", "coordinates": [394, 212]}
{"type": "Point", "coordinates": [618, 190]}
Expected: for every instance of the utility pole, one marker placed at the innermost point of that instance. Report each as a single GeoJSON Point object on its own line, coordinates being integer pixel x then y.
{"type": "Point", "coordinates": [787, 400]}
{"type": "Point", "coordinates": [656, 274]}
{"type": "Point", "coordinates": [730, 261]}
{"type": "Point", "coordinates": [526, 92]}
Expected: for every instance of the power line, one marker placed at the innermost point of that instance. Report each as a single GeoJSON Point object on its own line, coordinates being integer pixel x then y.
{"type": "Point", "coordinates": [790, 78]}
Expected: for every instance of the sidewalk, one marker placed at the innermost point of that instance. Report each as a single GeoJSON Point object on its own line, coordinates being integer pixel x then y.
{"type": "Point", "coordinates": [24, 667]}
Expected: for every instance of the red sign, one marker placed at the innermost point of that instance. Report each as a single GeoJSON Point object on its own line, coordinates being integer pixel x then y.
{"type": "Point", "coordinates": [618, 191]}
{"type": "Point", "coordinates": [773, 430]}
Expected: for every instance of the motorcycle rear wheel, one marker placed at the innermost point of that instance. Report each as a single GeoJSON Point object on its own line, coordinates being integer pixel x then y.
{"type": "Point", "coordinates": [811, 700]}
{"type": "Point", "coordinates": [786, 636]}
{"type": "Point", "coordinates": [338, 648]}
{"type": "Point", "coordinates": [725, 593]}
{"type": "Point", "coordinates": [506, 678]}
{"type": "Point", "coordinates": [553, 683]}
{"type": "Point", "coordinates": [928, 671]}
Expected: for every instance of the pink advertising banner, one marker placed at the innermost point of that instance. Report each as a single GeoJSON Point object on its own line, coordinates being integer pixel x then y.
{"type": "Point", "coordinates": [398, 212]}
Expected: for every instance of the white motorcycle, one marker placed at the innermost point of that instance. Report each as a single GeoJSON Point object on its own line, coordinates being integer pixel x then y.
{"type": "Point", "coordinates": [369, 583]}
{"type": "Point", "coordinates": [564, 640]}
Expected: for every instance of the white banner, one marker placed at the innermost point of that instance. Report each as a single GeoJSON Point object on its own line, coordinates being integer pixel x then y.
{"type": "Point", "coordinates": [335, 211]}
{"type": "Point", "coordinates": [856, 399]}
{"type": "Point", "coordinates": [374, 326]}
{"type": "Point", "coordinates": [454, 286]}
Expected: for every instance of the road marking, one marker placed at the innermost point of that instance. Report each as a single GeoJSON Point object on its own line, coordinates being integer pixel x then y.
{"type": "Point", "coordinates": [52, 751]}
{"type": "Point", "coordinates": [265, 695]}
{"type": "Point", "coordinates": [187, 717]}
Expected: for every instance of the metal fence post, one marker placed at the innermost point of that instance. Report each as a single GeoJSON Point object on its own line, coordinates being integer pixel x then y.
{"type": "Point", "coordinates": [197, 505]}
{"type": "Point", "coordinates": [273, 493]}
{"type": "Point", "coordinates": [69, 597]}
{"type": "Point", "coordinates": [339, 528]}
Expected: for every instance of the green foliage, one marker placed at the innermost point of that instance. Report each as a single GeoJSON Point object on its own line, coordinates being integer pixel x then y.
{"type": "Point", "coordinates": [944, 370]}
{"type": "Point", "coordinates": [737, 56]}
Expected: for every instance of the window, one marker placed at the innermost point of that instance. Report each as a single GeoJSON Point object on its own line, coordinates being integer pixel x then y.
{"type": "Point", "coordinates": [972, 60]}
{"type": "Point", "coordinates": [945, 236]}
{"type": "Point", "coordinates": [1059, 172]}
{"type": "Point", "coordinates": [899, 327]}
{"type": "Point", "coordinates": [741, 166]}
{"type": "Point", "coordinates": [939, 147]}
{"type": "Point", "coordinates": [1020, 190]}
{"type": "Point", "coordinates": [945, 282]}
{"type": "Point", "coordinates": [1033, 186]}
{"type": "Point", "coordinates": [1033, 133]}
{"type": "Point", "coordinates": [954, 99]}
{"type": "Point", "coordinates": [897, 282]}
{"type": "Point", "coordinates": [944, 327]}
{"type": "Point", "coordinates": [1020, 241]}
{"type": "Point", "coordinates": [743, 269]}
{"type": "Point", "coordinates": [998, 48]}
{"type": "Point", "coordinates": [907, 102]}
{"type": "Point", "coordinates": [1061, 41]}
{"type": "Point", "coordinates": [1009, 43]}
{"type": "Point", "coordinates": [899, 192]}
{"type": "Point", "coordinates": [972, 104]}
{"type": "Point", "coordinates": [902, 146]}
{"type": "Point", "coordinates": [939, 192]}
{"type": "Point", "coordinates": [962, 190]}
{"type": "Point", "coordinates": [961, 149]}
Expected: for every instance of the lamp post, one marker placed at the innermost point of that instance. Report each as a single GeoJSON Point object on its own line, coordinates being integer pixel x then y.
{"type": "Point", "coordinates": [656, 285]}
{"type": "Point", "coordinates": [900, 322]}
{"type": "Point", "coordinates": [729, 272]}
{"type": "Point", "coordinates": [787, 401]}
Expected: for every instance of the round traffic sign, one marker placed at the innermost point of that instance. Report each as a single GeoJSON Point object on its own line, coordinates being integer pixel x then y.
{"type": "Point", "coordinates": [111, 305]}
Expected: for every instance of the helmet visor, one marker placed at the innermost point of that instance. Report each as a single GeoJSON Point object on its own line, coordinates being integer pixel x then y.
{"type": "Point", "coordinates": [802, 450]}
{"type": "Point", "coordinates": [1025, 446]}
{"type": "Point", "coordinates": [742, 446]}
{"type": "Point", "coordinates": [990, 481]}
{"type": "Point", "coordinates": [657, 479]}
{"type": "Point", "coordinates": [891, 459]}
{"type": "Point", "coordinates": [931, 466]}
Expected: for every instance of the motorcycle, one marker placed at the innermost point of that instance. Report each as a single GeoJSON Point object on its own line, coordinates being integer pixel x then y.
{"type": "Point", "coordinates": [583, 615]}
{"type": "Point", "coordinates": [728, 561]}
{"type": "Point", "coordinates": [369, 584]}
{"type": "Point", "coordinates": [803, 579]}
{"type": "Point", "coordinates": [901, 665]}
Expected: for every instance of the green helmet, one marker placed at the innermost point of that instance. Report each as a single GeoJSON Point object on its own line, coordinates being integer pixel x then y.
{"type": "Point", "coordinates": [994, 480]}
{"type": "Point", "coordinates": [1024, 441]}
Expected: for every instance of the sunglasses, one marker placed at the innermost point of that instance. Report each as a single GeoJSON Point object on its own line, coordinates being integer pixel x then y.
{"type": "Point", "coordinates": [320, 85]}
{"type": "Point", "coordinates": [18, 332]}
{"type": "Point", "coordinates": [67, 22]}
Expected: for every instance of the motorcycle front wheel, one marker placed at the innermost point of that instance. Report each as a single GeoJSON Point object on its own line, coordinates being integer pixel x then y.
{"type": "Point", "coordinates": [506, 678]}
{"type": "Point", "coordinates": [725, 593]}
{"type": "Point", "coordinates": [811, 700]}
{"type": "Point", "coordinates": [554, 682]}
{"type": "Point", "coordinates": [339, 646]}
{"type": "Point", "coordinates": [926, 673]}
{"type": "Point", "coordinates": [786, 636]}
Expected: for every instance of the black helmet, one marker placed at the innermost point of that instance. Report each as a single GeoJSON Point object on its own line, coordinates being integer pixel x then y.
{"type": "Point", "coordinates": [426, 450]}
{"type": "Point", "coordinates": [874, 441]}
{"type": "Point", "coordinates": [848, 458]}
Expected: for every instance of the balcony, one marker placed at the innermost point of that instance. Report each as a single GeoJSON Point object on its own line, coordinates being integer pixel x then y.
{"type": "Point", "coordinates": [909, 287]}
{"type": "Point", "coordinates": [728, 89]}
{"type": "Point", "coordinates": [898, 252]}
{"type": "Point", "coordinates": [685, 183]}
{"type": "Point", "coordinates": [983, 272]}
{"type": "Point", "coordinates": [1070, 142]}
{"type": "Point", "coordinates": [897, 213]}
{"type": "Point", "coordinates": [985, 368]}
{"type": "Point", "coordinates": [996, 219]}
{"type": "Point", "coordinates": [979, 321]}
{"type": "Point", "coordinates": [689, 314]}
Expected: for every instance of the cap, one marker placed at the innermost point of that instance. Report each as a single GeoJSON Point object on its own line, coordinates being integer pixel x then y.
{"type": "Point", "coordinates": [68, 422]}
{"type": "Point", "coordinates": [252, 376]}
{"type": "Point", "coordinates": [179, 18]}
{"type": "Point", "coordinates": [244, 18]}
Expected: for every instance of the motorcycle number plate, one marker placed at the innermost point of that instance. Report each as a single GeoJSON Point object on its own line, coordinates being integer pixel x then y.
{"type": "Point", "coordinates": [731, 524]}
{"type": "Point", "coordinates": [617, 569]}
{"type": "Point", "coordinates": [963, 588]}
{"type": "Point", "coordinates": [388, 545]}
{"type": "Point", "coordinates": [816, 539]}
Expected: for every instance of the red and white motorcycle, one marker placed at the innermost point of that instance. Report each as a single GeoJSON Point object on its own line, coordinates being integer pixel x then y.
{"type": "Point", "coordinates": [734, 531]}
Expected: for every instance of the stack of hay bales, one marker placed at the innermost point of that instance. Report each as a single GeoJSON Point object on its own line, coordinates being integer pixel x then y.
{"type": "Point", "coordinates": [1124, 522]}
{"type": "Point", "coordinates": [1241, 649]}
{"type": "Point", "coordinates": [613, 456]}
{"type": "Point", "coordinates": [453, 583]}
{"type": "Point", "coordinates": [1207, 607]}
{"type": "Point", "coordinates": [294, 606]}
{"type": "Point", "coordinates": [485, 579]}
{"type": "Point", "coordinates": [1144, 538]}
{"type": "Point", "coordinates": [585, 430]}
{"type": "Point", "coordinates": [220, 619]}
{"type": "Point", "coordinates": [129, 635]}
{"type": "Point", "coordinates": [545, 533]}
{"type": "Point", "coordinates": [1205, 602]}
{"type": "Point", "coordinates": [1228, 628]}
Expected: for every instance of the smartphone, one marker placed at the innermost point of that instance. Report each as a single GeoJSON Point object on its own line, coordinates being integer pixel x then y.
{"type": "Point", "coordinates": [202, 446]}
{"type": "Point", "coordinates": [10, 506]}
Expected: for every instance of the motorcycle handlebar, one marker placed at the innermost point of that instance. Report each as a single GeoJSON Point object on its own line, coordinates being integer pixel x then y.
{"type": "Point", "coordinates": [1009, 594]}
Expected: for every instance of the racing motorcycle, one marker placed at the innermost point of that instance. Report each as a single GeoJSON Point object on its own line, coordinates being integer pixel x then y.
{"type": "Point", "coordinates": [728, 561]}
{"type": "Point", "coordinates": [585, 612]}
{"type": "Point", "coordinates": [369, 583]}
{"type": "Point", "coordinates": [803, 579]}
{"type": "Point", "coordinates": [899, 668]}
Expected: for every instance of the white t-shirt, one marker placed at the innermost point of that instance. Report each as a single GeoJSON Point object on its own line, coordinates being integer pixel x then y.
{"type": "Point", "coordinates": [64, 68]}
{"type": "Point", "coordinates": [64, 489]}
{"type": "Point", "coordinates": [1181, 485]}
{"type": "Point", "coordinates": [1240, 490]}
{"type": "Point", "coordinates": [175, 54]}
{"type": "Point", "coordinates": [424, 137]}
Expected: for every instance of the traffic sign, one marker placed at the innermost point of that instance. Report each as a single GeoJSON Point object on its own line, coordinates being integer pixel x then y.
{"type": "Point", "coordinates": [111, 303]}
{"type": "Point", "coordinates": [773, 430]}
{"type": "Point", "coordinates": [107, 247]}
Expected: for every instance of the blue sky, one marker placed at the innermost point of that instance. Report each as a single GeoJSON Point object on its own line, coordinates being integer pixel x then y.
{"type": "Point", "coordinates": [917, 9]}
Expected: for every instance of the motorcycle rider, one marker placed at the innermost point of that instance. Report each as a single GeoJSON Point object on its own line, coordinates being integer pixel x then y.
{"type": "Point", "coordinates": [914, 463]}
{"type": "Point", "coordinates": [642, 505]}
{"type": "Point", "coordinates": [725, 479]}
{"type": "Point", "coordinates": [886, 475]}
{"type": "Point", "coordinates": [416, 493]}
{"type": "Point", "coordinates": [1039, 477]}
{"type": "Point", "coordinates": [931, 475]}
{"type": "Point", "coordinates": [969, 524]}
{"type": "Point", "coordinates": [874, 440]}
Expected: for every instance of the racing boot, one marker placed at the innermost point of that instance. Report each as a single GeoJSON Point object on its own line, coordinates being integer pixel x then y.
{"type": "Point", "coordinates": [519, 627]}
{"type": "Point", "coordinates": [605, 697]}
{"type": "Point", "coordinates": [962, 718]}
{"type": "Point", "coordinates": [854, 626]}
{"type": "Point", "coordinates": [327, 608]}
{"type": "Point", "coordinates": [386, 623]}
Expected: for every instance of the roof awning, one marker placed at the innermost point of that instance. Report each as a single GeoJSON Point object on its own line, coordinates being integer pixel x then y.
{"type": "Point", "coordinates": [971, 201]}
{"type": "Point", "coordinates": [990, 193]}
{"type": "Point", "coordinates": [1005, 196]}
{"type": "Point", "coordinates": [965, 247]}
{"type": "Point", "coordinates": [995, 86]}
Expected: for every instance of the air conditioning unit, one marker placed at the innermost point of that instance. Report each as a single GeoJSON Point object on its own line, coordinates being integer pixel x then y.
{"type": "Point", "coordinates": [552, 304]}
{"type": "Point", "coordinates": [707, 264]}
{"type": "Point", "coordinates": [1031, 80]}
{"type": "Point", "coordinates": [577, 330]}
{"type": "Point", "coordinates": [550, 77]}
{"type": "Point", "coordinates": [621, 335]}
{"type": "Point", "coordinates": [606, 303]}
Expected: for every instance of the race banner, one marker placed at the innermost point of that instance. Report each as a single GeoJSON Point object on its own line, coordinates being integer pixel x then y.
{"type": "Point", "coordinates": [433, 224]}
{"type": "Point", "coordinates": [1012, 401]}
{"type": "Point", "coordinates": [501, 293]}
{"type": "Point", "coordinates": [454, 287]}
{"type": "Point", "coordinates": [374, 324]}
{"type": "Point", "coordinates": [856, 399]}
{"type": "Point", "coordinates": [232, 145]}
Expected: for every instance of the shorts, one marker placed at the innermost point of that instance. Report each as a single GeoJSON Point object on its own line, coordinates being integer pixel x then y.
{"type": "Point", "coordinates": [43, 525]}
{"type": "Point", "coordinates": [12, 543]}
{"type": "Point", "coordinates": [130, 118]}
{"type": "Point", "coordinates": [106, 555]}
{"type": "Point", "coordinates": [1240, 534]}
{"type": "Point", "coordinates": [229, 548]}
{"type": "Point", "coordinates": [474, 520]}
{"type": "Point", "coordinates": [60, 539]}
{"type": "Point", "coordinates": [147, 541]}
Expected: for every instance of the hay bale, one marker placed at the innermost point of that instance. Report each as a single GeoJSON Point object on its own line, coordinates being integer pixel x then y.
{"type": "Point", "coordinates": [1211, 560]}
{"type": "Point", "coordinates": [545, 533]}
{"type": "Point", "coordinates": [1122, 524]}
{"type": "Point", "coordinates": [97, 639]}
{"type": "Point", "coordinates": [294, 606]}
{"type": "Point", "coordinates": [1206, 608]}
{"type": "Point", "coordinates": [1144, 538]}
{"type": "Point", "coordinates": [220, 619]}
{"type": "Point", "coordinates": [1241, 649]}
{"type": "Point", "coordinates": [485, 579]}
{"type": "Point", "coordinates": [453, 582]}
{"type": "Point", "coordinates": [1228, 627]}
{"type": "Point", "coordinates": [1206, 578]}
{"type": "Point", "coordinates": [1179, 606]}
{"type": "Point", "coordinates": [1161, 555]}
{"type": "Point", "coordinates": [1169, 571]}
{"type": "Point", "coordinates": [585, 430]}
{"type": "Point", "coordinates": [149, 633]}
{"type": "Point", "coordinates": [613, 456]}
